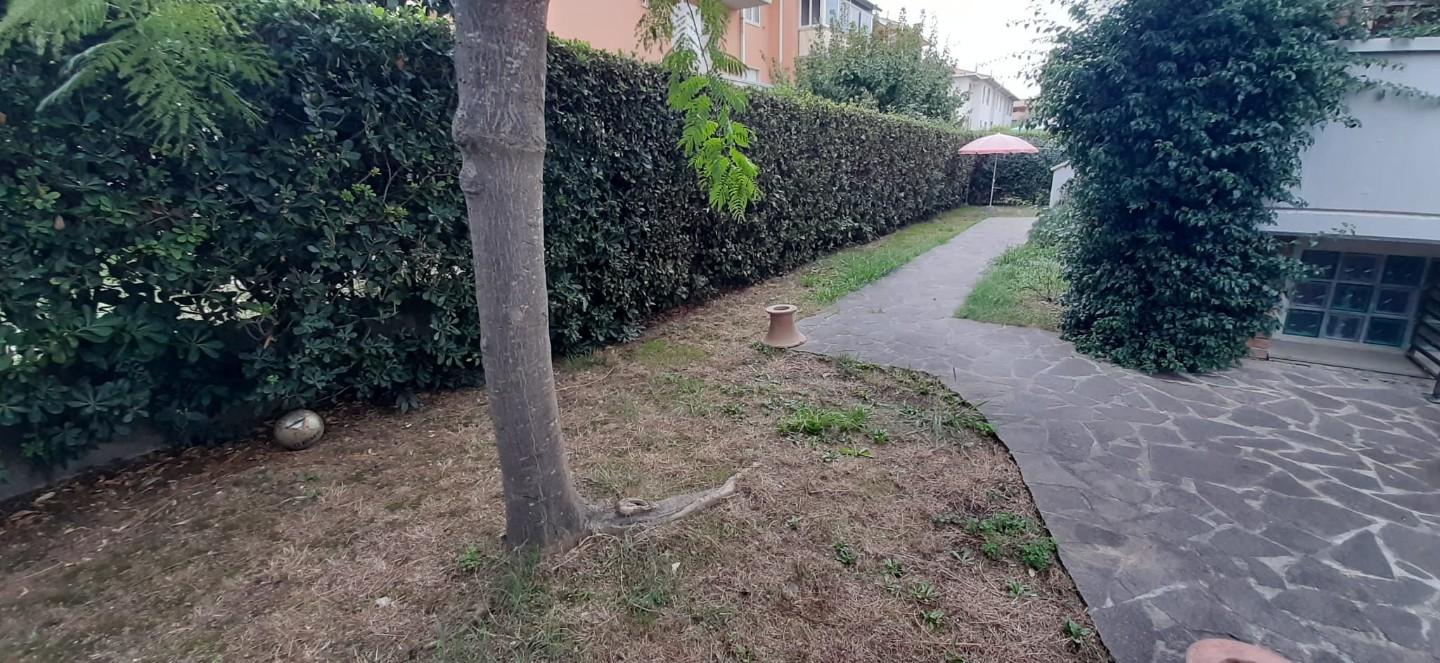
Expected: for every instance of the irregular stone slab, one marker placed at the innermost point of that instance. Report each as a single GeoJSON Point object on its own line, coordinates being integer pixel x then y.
{"type": "Point", "coordinates": [1362, 553]}
{"type": "Point", "coordinates": [1297, 506]}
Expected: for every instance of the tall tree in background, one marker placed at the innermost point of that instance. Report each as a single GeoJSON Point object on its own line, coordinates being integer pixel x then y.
{"type": "Point", "coordinates": [500, 130]}
{"type": "Point", "coordinates": [894, 68]}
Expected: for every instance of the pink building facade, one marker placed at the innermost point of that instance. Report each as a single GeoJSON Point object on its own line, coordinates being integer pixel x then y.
{"type": "Point", "coordinates": [766, 35]}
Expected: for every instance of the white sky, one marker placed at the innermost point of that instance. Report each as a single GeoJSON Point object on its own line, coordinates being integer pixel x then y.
{"type": "Point", "coordinates": [982, 35]}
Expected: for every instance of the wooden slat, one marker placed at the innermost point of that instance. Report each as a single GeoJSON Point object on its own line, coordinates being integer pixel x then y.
{"type": "Point", "coordinates": [1428, 333]}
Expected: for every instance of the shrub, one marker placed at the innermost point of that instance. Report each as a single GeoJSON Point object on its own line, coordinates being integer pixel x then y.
{"type": "Point", "coordinates": [325, 254]}
{"type": "Point", "coordinates": [894, 68]}
{"type": "Point", "coordinates": [1020, 179]}
{"type": "Point", "coordinates": [1181, 138]}
{"type": "Point", "coordinates": [1054, 228]}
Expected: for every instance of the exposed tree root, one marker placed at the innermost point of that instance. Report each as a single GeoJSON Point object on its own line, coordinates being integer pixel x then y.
{"type": "Point", "coordinates": [631, 513]}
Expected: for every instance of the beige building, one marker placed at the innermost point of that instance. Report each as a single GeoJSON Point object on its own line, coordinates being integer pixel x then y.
{"type": "Point", "coordinates": [766, 35]}
{"type": "Point", "coordinates": [1021, 113]}
{"type": "Point", "coordinates": [989, 105]}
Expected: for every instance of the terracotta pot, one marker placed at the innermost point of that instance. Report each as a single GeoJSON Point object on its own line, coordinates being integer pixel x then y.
{"type": "Point", "coordinates": [783, 333]}
{"type": "Point", "coordinates": [1229, 651]}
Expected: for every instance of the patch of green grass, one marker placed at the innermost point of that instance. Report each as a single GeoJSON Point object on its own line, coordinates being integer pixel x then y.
{"type": "Point", "coordinates": [616, 477]}
{"type": "Point", "coordinates": [1075, 632]}
{"type": "Point", "coordinates": [1018, 590]}
{"type": "Point", "coordinates": [840, 274]}
{"type": "Point", "coordinates": [647, 577]}
{"type": "Point", "coordinates": [765, 350]}
{"type": "Point", "coordinates": [850, 367]}
{"type": "Point", "coordinates": [690, 394]}
{"type": "Point", "coordinates": [932, 619]}
{"type": "Point", "coordinates": [470, 560]}
{"type": "Point", "coordinates": [943, 422]}
{"type": "Point", "coordinates": [1007, 535]}
{"type": "Point", "coordinates": [924, 592]}
{"type": "Point", "coordinates": [660, 353]}
{"type": "Point", "coordinates": [845, 554]}
{"type": "Point", "coordinates": [581, 361]}
{"type": "Point", "coordinates": [818, 422]}
{"type": "Point", "coordinates": [1000, 523]}
{"type": "Point", "coordinates": [1038, 554]}
{"type": "Point", "coordinates": [1022, 287]}
{"type": "Point", "coordinates": [517, 625]}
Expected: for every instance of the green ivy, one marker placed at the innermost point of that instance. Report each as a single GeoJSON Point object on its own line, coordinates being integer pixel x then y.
{"type": "Point", "coordinates": [1185, 121]}
{"type": "Point", "coordinates": [323, 255]}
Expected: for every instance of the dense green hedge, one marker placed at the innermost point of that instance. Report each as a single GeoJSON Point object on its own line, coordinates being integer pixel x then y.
{"type": "Point", "coordinates": [1181, 142]}
{"type": "Point", "coordinates": [1020, 179]}
{"type": "Point", "coordinates": [324, 255]}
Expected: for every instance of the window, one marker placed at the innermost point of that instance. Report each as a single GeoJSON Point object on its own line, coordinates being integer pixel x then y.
{"type": "Point", "coordinates": [809, 13]}
{"type": "Point", "coordinates": [839, 13]}
{"type": "Point", "coordinates": [751, 15]}
{"type": "Point", "coordinates": [1357, 297]}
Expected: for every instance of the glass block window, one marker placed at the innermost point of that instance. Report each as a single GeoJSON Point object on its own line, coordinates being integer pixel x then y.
{"type": "Point", "coordinates": [1403, 270]}
{"type": "Point", "coordinates": [1299, 322]}
{"type": "Point", "coordinates": [1386, 331]}
{"type": "Point", "coordinates": [1359, 267]}
{"type": "Point", "coordinates": [1358, 297]}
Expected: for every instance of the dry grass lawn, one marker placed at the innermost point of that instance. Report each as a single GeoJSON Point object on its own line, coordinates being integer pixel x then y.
{"type": "Point", "coordinates": [882, 524]}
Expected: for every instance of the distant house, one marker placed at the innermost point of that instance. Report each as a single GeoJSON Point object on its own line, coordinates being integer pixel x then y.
{"type": "Point", "coordinates": [765, 35]}
{"type": "Point", "coordinates": [1021, 112]}
{"type": "Point", "coordinates": [989, 105]}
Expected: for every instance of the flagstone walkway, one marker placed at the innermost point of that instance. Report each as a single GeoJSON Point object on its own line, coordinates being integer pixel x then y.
{"type": "Point", "coordinates": [1290, 506]}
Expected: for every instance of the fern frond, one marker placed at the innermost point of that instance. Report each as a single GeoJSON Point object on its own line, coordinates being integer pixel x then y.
{"type": "Point", "coordinates": [180, 61]}
{"type": "Point", "coordinates": [710, 139]}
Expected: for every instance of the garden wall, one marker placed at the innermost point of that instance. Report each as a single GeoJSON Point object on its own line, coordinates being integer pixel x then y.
{"type": "Point", "coordinates": [322, 254]}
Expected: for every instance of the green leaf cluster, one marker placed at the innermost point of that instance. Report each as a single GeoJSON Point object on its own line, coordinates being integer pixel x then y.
{"type": "Point", "coordinates": [324, 255]}
{"type": "Point", "coordinates": [712, 138]}
{"type": "Point", "coordinates": [182, 62]}
{"type": "Point", "coordinates": [1185, 121]}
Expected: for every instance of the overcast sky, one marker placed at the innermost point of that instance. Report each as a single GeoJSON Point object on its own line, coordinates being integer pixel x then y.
{"type": "Point", "coordinates": [981, 35]}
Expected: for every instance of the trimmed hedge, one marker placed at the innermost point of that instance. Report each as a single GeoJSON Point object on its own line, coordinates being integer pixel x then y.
{"type": "Point", "coordinates": [1021, 179]}
{"type": "Point", "coordinates": [324, 255]}
{"type": "Point", "coordinates": [1181, 142]}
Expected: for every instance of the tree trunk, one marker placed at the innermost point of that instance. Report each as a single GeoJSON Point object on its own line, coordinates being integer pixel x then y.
{"type": "Point", "coordinates": [500, 130]}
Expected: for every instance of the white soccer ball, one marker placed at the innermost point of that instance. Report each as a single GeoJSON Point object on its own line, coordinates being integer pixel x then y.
{"type": "Point", "coordinates": [298, 429]}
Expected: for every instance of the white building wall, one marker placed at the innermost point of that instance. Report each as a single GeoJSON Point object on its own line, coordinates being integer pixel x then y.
{"type": "Point", "coordinates": [988, 106]}
{"type": "Point", "coordinates": [1060, 176]}
{"type": "Point", "coordinates": [1380, 180]}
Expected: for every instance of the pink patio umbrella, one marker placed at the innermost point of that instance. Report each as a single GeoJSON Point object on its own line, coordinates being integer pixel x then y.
{"type": "Point", "coordinates": [998, 144]}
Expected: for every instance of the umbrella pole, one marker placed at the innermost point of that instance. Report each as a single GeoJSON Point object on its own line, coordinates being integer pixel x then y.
{"type": "Point", "coordinates": [994, 165]}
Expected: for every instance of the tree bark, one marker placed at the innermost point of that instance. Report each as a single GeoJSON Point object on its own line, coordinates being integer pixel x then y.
{"type": "Point", "coordinates": [500, 130]}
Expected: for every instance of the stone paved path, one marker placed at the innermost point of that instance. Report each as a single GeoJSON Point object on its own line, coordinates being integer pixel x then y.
{"type": "Point", "coordinates": [1289, 506]}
